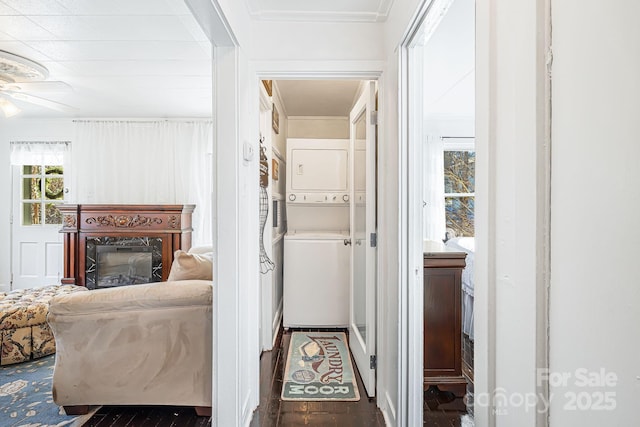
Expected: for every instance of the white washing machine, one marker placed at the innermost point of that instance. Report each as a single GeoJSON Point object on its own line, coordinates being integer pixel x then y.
{"type": "Point", "coordinates": [316, 258]}
{"type": "Point", "coordinates": [316, 280]}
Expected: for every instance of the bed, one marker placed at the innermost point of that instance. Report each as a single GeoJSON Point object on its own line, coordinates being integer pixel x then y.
{"type": "Point", "coordinates": [465, 244]}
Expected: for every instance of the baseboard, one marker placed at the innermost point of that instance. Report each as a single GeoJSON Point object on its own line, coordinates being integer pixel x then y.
{"type": "Point", "coordinates": [277, 321]}
{"type": "Point", "coordinates": [247, 414]}
{"type": "Point", "coordinates": [5, 288]}
{"type": "Point", "coordinates": [389, 412]}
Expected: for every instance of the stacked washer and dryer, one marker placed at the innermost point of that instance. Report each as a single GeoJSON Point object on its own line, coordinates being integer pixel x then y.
{"type": "Point", "coordinates": [316, 246]}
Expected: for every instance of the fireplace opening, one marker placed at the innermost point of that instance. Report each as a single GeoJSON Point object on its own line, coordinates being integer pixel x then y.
{"type": "Point", "coordinates": [121, 261]}
{"type": "Point", "coordinates": [123, 265]}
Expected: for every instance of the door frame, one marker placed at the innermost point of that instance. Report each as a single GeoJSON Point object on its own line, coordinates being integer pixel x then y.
{"type": "Point", "coordinates": [365, 104]}
{"type": "Point", "coordinates": [495, 132]}
{"type": "Point", "coordinates": [411, 248]}
{"type": "Point", "coordinates": [318, 70]}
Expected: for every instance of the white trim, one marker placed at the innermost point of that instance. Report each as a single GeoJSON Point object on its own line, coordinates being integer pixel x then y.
{"type": "Point", "coordinates": [345, 118]}
{"type": "Point", "coordinates": [275, 325]}
{"type": "Point", "coordinates": [297, 16]}
{"type": "Point", "coordinates": [213, 22]}
{"type": "Point", "coordinates": [338, 70]}
{"type": "Point", "coordinates": [278, 154]}
{"type": "Point", "coordinates": [458, 144]}
{"type": "Point", "coordinates": [278, 237]}
{"type": "Point", "coordinates": [319, 70]}
{"type": "Point", "coordinates": [485, 266]}
{"type": "Point", "coordinates": [227, 407]}
{"type": "Point", "coordinates": [390, 415]}
{"type": "Point", "coordinates": [257, 10]}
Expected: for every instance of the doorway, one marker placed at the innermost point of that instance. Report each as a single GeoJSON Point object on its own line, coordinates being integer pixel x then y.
{"type": "Point", "coordinates": [440, 61]}
{"type": "Point", "coordinates": [320, 110]}
{"type": "Point", "coordinates": [38, 188]}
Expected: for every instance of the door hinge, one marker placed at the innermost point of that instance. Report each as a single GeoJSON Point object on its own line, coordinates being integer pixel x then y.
{"type": "Point", "coordinates": [374, 118]}
{"type": "Point", "coordinates": [374, 240]}
{"type": "Point", "coordinates": [373, 362]}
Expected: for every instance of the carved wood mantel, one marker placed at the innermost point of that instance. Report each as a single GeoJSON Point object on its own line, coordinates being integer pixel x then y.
{"type": "Point", "coordinates": [170, 223]}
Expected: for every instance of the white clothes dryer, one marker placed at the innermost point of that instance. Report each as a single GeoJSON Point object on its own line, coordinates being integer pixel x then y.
{"type": "Point", "coordinates": [316, 280]}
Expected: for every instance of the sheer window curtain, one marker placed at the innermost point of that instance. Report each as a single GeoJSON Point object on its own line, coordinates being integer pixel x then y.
{"type": "Point", "coordinates": [146, 162]}
{"type": "Point", "coordinates": [39, 152]}
{"type": "Point", "coordinates": [434, 209]}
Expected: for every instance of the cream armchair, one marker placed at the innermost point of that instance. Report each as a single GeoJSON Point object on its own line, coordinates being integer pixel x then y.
{"type": "Point", "coordinates": [134, 345]}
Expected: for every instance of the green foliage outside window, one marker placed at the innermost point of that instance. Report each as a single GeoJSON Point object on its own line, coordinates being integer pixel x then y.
{"type": "Point", "coordinates": [42, 192]}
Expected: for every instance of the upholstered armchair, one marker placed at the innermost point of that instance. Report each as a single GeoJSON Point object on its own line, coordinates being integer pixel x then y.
{"type": "Point", "coordinates": [144, 344]}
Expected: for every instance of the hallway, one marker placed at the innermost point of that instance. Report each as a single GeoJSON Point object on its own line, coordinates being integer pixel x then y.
{"type": "Point", "coordinates": [440, 410]}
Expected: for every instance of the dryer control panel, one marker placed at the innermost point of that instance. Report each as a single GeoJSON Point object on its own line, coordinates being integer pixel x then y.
{"type": "Point", "coordinates": [324, 198]}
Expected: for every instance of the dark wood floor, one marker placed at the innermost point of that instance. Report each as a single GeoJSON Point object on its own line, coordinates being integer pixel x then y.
{"type": "Point", "coordinates": [441, 409]}
{"type": "Point", "coordinates": [274, 412]}
{"type": "Point", "coordinates": [143, 416]}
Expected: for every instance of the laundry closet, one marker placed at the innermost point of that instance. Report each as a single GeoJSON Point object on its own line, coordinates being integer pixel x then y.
{"type": "Point", "coordinates": [306, 135]}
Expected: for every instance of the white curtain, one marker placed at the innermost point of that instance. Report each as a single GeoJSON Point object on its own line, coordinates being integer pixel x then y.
{"type": "Point", "coordinates": [434, 215]}
{"type": "Point", "coordinates": [39, 153]}
{"type": "Point", "coordinates": [146, 162]}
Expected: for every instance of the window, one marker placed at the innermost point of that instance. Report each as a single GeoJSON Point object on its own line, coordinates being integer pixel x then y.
{"type": "Point", "coordinates": [459, 187]}
{"type": "Point", "coordinates": [42, 191]}
{"type": "Point", "coordinates": [38, 180]}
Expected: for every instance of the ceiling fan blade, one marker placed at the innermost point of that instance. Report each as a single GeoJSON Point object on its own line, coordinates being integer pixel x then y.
{"type": "Point", "coordinates": [44, 86]}
{"type": "Point", "coordinates": [42, 102]}
{"type": "Point", "coordinates": [8, 108]}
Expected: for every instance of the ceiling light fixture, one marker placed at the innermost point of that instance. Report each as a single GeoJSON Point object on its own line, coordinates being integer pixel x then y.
{"type": "Point", "coordinates": [16, 68]}
{"type": "Point", "coordinates": [8, 108]}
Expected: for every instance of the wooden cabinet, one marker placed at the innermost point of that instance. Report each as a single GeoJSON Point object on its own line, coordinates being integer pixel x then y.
{"type": "Point", "coordinates": [443, 318]}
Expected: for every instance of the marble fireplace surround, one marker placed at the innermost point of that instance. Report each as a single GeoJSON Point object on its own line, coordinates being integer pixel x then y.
{"type": "Point", "coordinates": [164, 228]}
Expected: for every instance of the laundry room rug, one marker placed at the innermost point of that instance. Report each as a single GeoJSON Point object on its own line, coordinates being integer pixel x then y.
{"type": "Point", "coordinates": [319, 368]}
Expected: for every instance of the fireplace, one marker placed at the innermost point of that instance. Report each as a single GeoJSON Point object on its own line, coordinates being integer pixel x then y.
{"type": "Point", "coordinates": [119, 245]}
{"type": "Point", "coordinates": [117, 261]}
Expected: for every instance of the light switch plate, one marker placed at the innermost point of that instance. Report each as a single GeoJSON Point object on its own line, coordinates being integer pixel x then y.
{"type": "Point", "coordinates": [247, 151]}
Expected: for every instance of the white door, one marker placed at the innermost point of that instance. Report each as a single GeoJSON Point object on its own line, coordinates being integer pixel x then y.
{"type": "Point", "coordinates": [36, 252]}
{"type": "Point", "coordinates": [362, 317]}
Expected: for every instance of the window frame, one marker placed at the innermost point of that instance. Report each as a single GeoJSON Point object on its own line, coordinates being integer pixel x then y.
{"type": "Point", "coordinates": [42, 201]}
{"type": "Point", "coordinates": [458, 144]}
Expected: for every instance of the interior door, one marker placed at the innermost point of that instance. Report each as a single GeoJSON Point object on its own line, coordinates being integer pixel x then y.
{"type": "Point", "coordinates": [362, 316]}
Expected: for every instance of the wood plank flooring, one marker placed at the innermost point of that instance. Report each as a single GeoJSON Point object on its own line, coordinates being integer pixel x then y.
{"type": "Point", "coordinates": [147, 416]}
{"type": "Point", "coordinates": [275, 412]}
{"type": "Point", "coordinates": [441, 409]}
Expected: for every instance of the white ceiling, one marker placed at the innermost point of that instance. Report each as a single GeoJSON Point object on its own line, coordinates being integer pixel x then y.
{"type": "Point", "coordinates": [318, 97]}
{"type": "Point", "coordinates": [123, 58]}
{"type": "Point", "coordinates": [143, 58]}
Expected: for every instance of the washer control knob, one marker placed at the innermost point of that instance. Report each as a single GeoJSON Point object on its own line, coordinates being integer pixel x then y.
{"type": "Point", "coordinates": [292, 197]}
{"type": "Point", "coordinates": [345, 197]}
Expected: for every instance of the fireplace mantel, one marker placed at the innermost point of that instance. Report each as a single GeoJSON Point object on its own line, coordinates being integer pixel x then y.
{"type": "Point", "coordinates": [83, 224]}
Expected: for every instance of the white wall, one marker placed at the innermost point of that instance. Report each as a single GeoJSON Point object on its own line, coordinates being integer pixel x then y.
{"type": "Point", "coordinates": [594, 313]}
{"type": "Point", "coordinates": [279, 140]}
{"type": "Point", "coordinates": [333, 41]}
{"type": "Point", "coordinates": [511, 232]}
{"type": "Point", "coordinates": [319, 127]}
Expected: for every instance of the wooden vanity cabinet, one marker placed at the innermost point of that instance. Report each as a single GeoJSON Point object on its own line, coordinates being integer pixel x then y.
{"type": "Point", "coordinates": [443, 318]}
